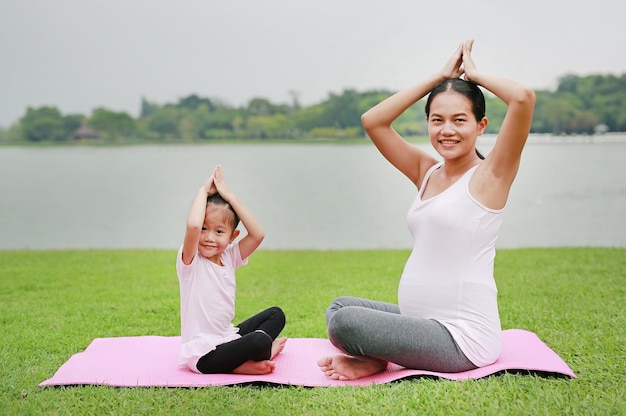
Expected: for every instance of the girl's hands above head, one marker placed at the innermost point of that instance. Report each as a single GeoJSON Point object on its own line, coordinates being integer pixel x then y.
{"type": "Point", "coordinates": [220, 184]}
{"type": "Point", "coordinates": [209, 186]}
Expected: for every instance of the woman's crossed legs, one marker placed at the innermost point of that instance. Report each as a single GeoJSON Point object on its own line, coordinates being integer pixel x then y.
{"type": "Point", "coordinates": [374, 333]}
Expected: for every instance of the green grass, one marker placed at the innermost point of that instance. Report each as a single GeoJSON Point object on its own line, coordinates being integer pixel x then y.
{"type": "Point", "coordinates": [54, 303]}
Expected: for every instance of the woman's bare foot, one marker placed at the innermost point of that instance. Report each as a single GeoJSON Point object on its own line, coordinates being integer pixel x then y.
{"type": "Point", "coordinates": [277, 346]}
{"type": "Point", "coordinates": [255, 367]}
{"type": "Point", "coordinates": [345, 367]}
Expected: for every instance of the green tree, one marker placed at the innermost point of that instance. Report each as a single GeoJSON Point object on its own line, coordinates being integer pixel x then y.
{"type": "Point", "coordinates": [43, 124]}
{"type": "Point", "coordinates": [165, 121]}
{"type": "Point", "coordinates": [71, 123]}
{"type": "Point", "coordinates": [278, 126]}
{"type": "Point", "coordinates": [193, 101]}
{"type": "Point", "coordinates": [263, 107]}
{"type": "Point", "coordinates": [561, 116]}
{"type": "Point", "coordinates": [342, 110]}
{"type": "Point", "coordinates": [114, 124]}
{"type": "Point", "coordinates": [204, 124]}
{"type": "Point", "coordinates": [307, 118]}
{"type": "Point", "coordinates": [147, 108]}
{"type": "Point", "coordinates": [611, 110]}
{"type": "Point", "coordinates": [599, 99]}
{"type": "Point", "coordinates": [495, 112]}
{"type": "Point", "coordinates": [194, 123]}
{"type": "Point", "coordinates": [578, 105]}
{"type": "Point", "coordinates": [225, 119]}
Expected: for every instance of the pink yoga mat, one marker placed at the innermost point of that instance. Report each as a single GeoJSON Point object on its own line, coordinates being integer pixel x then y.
{"type": "Point", "coordinates": [152, 361]}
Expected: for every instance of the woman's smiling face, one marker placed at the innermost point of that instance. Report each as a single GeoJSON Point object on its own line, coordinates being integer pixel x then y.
{"type": "Point", "coordinates": [452, 126]}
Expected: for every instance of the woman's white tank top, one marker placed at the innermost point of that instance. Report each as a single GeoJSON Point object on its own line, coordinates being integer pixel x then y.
{"type": "Point", "coordinates": [449, 274]}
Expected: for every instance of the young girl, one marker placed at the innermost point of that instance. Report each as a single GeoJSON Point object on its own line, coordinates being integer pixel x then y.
{"type": "Point", "coordinates": [447, 314]}
{"type": "Point", "coordinates": [206, 265]}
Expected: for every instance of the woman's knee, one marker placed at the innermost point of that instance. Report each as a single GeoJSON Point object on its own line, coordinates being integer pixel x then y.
{"type": "Point", "coordinates": [335, 306]}
{"type": "Point", "coordinates": [341, 302]}
{"type": "Point", "coordinates": [342, 322]}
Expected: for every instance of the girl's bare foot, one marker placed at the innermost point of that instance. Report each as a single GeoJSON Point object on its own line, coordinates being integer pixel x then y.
{"type": "Point", "coordinates": [277, 346]}
{"type": "Point", "coordinates": [345, 367]}
{"type": "Point", "coordinates": [265, 366]}
{"type": "Point", "coordinates": [255, 367]}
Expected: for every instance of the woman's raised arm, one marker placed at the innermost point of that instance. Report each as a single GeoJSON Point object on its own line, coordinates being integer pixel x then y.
{"type": "Point", "coordinates": [502, 163]}
{"type": "Point", "coordinates": [407, 158]}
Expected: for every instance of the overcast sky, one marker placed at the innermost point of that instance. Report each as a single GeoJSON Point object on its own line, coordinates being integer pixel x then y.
{"type": "Point", "coordinates": [79, 55]}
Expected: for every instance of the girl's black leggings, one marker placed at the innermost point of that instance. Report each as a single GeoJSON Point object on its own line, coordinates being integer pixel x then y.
{"type": "Point", "coordinates": [253, 344]}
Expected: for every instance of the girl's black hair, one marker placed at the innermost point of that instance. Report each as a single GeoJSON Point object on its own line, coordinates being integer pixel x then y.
{"type": "Point", "coordinates": [467, 89]}
{"type": "Point", "coordinates": [218, 200]}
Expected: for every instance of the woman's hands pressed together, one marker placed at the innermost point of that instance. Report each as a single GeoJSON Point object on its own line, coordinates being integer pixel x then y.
{"type": "Point", "coordinates": [461, 63]}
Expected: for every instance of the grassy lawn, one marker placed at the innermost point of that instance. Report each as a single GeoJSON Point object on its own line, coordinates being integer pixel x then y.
{"type": "Point", "coordinates": [54, 303]}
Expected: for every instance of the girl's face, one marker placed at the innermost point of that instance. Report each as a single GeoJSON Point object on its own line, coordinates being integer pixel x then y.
{"type": "Point", "coordinates": [217, 232]}
{"type": "Point", "coordinates": [452, 125]}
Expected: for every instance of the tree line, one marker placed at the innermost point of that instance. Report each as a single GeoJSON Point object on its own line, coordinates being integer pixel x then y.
{"type": "Point", "coordinates": [579, 105]}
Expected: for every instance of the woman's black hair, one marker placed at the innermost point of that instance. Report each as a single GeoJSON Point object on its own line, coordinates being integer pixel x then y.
{"type": "Point", "coordinates": [467, 89]}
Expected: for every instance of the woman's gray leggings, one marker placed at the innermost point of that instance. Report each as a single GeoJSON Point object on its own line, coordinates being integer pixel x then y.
{"type": "Point", "coordinates": [365, 328]}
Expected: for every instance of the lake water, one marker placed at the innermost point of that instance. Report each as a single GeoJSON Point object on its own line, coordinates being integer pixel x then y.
{"type": "Point", "coordinates": [307, 196]}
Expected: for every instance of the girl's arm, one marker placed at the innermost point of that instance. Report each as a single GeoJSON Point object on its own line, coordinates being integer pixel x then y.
{"type": "Point", "coordinates": [501, 165]}
{"type": "Point", "coordinates": [407, 158]}
{"type": "Point", "coordinates": [255, 233]}
{"type": "Point", "coordinates": [195, 221]}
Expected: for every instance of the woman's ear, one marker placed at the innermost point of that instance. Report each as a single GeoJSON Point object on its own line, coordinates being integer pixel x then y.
{"type": "Point", "coordinates": [482, 125]}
